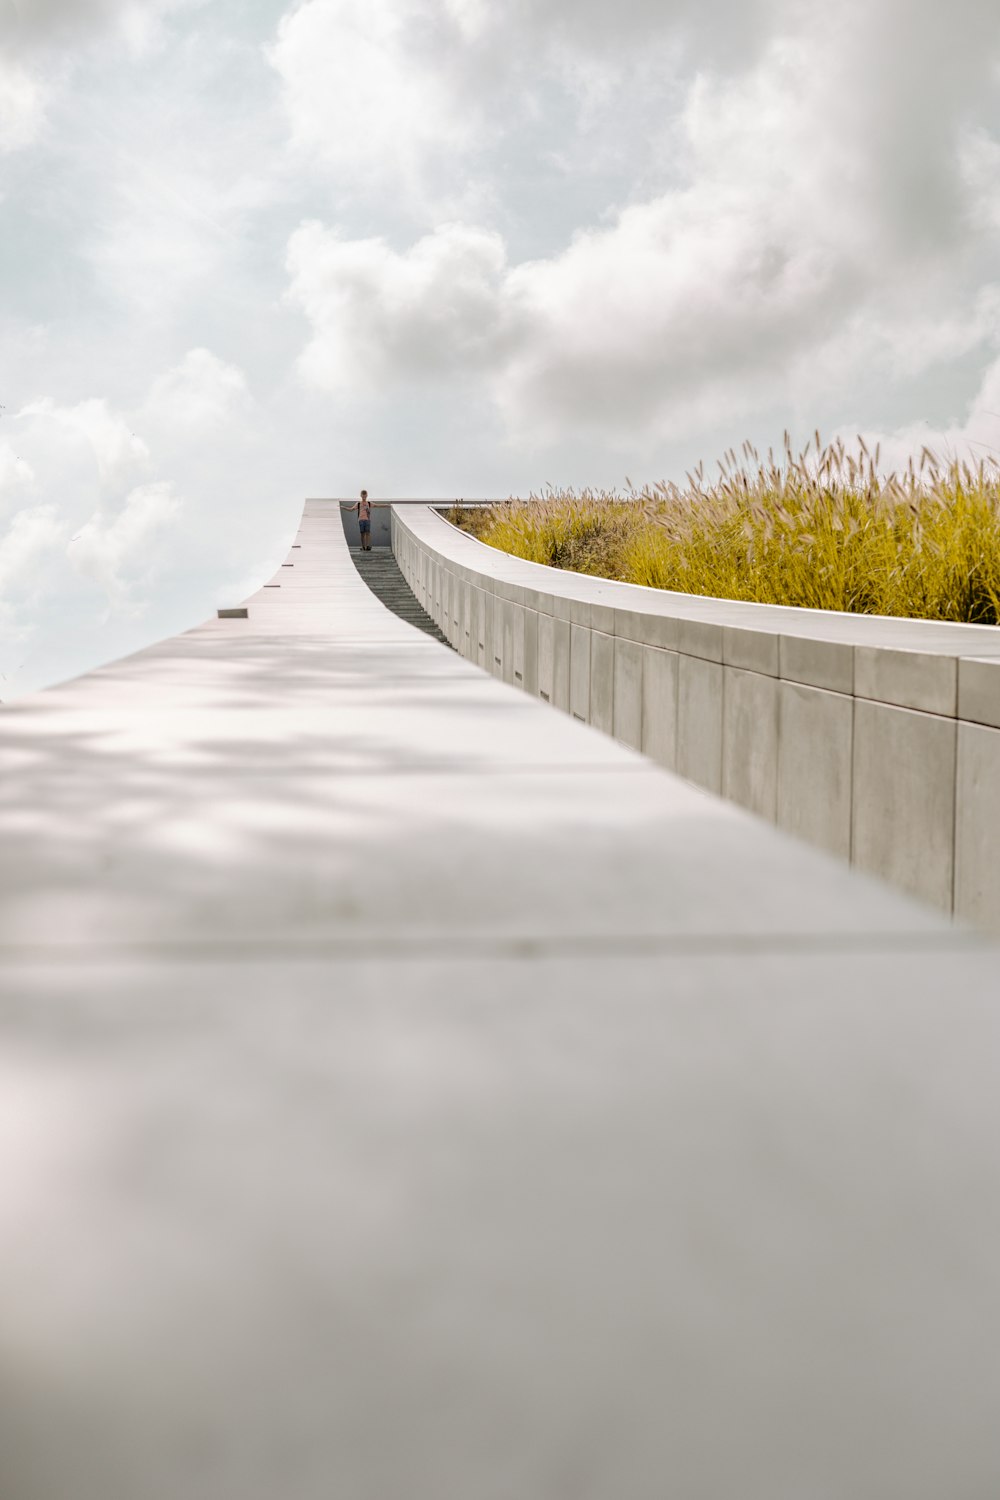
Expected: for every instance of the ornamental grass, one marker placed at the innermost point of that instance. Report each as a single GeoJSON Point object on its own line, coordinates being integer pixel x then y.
{"type": "Point", "coordinates": [824, 529]}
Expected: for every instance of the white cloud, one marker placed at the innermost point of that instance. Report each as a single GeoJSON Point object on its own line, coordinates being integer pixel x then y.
{"type": "Point", "coordinates": [979, 164]}
{"type": "Point", "coordinates": [15, 472]}
{"type": "Point", "coordinates": [378, 315]}
{"type": "Point", "coordinates": [370, 85]}
{"type": "Point", "coordinates": [802, 232]}
{"type": "Point", "coordinates": [27, 548]}
{"type": "Point", "coordinates": [200, 394]}
{"type": "Point", "coordinates": [532, 236]}
{"type": "Point", "coordinates": [27, 25]}
{"type": "Point", "coordinates": [41, 39]}
{"type": "Point", "coordinates": [31, 549]}
{"type": "Point", "coordinates": [22, 105]}
{"type": "Point", "coordinates": [974, 440]}
{"type": "Point", "coordinates": [124, 551]}
{"type": "Point", "coordinates": [115, 449]}
{"type": "Point", "coordinates": [405, 95]}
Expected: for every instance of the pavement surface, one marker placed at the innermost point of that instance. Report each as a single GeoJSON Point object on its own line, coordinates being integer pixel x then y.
{"type": "Point", "coordinates": [406, 1091]}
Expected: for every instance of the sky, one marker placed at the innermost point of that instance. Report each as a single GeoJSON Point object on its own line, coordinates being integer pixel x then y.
{"type": "Point", "coordinates": [253, 251]}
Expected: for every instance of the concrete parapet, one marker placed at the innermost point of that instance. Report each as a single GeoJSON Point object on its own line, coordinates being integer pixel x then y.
{"type": "Point", "coordinates": [853, 732]}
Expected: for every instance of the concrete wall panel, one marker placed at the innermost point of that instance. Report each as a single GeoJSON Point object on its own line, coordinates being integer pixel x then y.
{"type": "Point", "coordinates": [474, 620]}
{"type": "Point", "coordinates": [489, 603]}
{"type": "Point", "coordinates": [699, 721]}
{"type": "Point", "coordinates": [628, 692]}
{"type": "Point", "coordinates": [546, 657]}
{"type": "Point", "coordinates": [579, 672]}
{"type": "Point", "coordinates": [823, 664]}
{"type": "Point", "coordinates": [660, 676]}
{"type": "Point", "coordinates": [907, 679]}
{"type": "Point", "coordinates": [904, 799]}
{"type": "Point", "coordinates": [530, 647]}
{"type": "Point", "coordinates": [602, 681]}
{"type": "Point", "coordinates": [507, 669]}
{"type": "Point", "coordinates": [977, 841]}
{"type": "Point", "coordinates": [560, 664]}
{"type": "Point", "coordinates": [815, 750]}
{"type": "Point", "coordinates": [750, 741]}
{"type": "Point", "coordinates": [979, 691]}
{"type": "Point", "coordinates": [751, 650]}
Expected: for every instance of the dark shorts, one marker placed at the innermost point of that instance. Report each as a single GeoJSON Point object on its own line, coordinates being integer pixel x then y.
{"type": "Point", "coordinates": [365, 526]}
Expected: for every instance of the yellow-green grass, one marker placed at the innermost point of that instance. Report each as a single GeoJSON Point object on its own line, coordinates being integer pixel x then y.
{"type": "Point", "coordinates": [825, 530]}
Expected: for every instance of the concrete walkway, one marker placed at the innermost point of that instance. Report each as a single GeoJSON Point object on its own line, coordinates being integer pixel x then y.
{"type": "Point", "coordinates": [409, 1093]}
{"type": "Point", "coordinates": [381, 573]}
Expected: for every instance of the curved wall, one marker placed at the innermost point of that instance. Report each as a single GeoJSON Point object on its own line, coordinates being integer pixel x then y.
{"type": "Point", "coordinates": [876, 739]}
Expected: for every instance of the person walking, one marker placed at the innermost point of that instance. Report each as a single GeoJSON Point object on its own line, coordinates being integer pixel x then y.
{"type": "Point", "coordinates": [364, 510]}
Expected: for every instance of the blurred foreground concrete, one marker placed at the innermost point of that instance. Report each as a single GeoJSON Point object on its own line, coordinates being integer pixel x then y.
{"type": "Point", "coordinates": [408, 1093]}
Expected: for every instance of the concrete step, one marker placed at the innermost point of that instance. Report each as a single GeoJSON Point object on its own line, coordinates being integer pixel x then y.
{"type": "Point", "coordinates": [381, 572]}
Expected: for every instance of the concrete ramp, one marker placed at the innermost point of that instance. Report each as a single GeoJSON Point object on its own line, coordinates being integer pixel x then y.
{"type": "Point", "coordinates": [407, 1092]}
{"type": "Point", "coordinates": [380, 571]}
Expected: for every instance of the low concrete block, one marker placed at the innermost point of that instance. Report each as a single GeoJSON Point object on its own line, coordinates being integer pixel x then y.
{"type": "Point", "coordinates": [750, 741]}
{"type": "Point", "coordinates": [629, 693]}
{"type": "Point", "coordinates": [903, 819]}
{"type": "Point", "coordinates": [751, 650]}
{"type": "Point", "coordinates": [602, 681]}
{"type": "Point", "coordinates": [647, 629]}
{"type": "Point", "coordinates": [699, 638]}
{"type": "Point", "coordinates": [979, 690]}
{"type": "Point", "coordinates": [660, 675]}
{"type": "Point", "coordinates": [815, 747]}
{"type": "Point", "coordinates": [908, 679]}
{"type": "Point", "coordinates": [584, 609]}
{"type": "Point", "coordinates": [977, 827]}
{"type": "Point", "coordinates": [579, 672]}
{"type": "Point", "coordinates": [822, 664]}
{"type": "Point", "coordinates": [699, 721]}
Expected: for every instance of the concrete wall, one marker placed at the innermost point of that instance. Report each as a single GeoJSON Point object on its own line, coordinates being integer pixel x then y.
{"type": "Point", "coordinates": [381, 524]}
{"type": "Point", "coordinates": [875, 739]}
